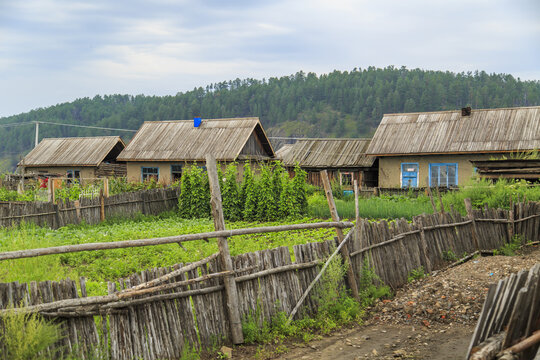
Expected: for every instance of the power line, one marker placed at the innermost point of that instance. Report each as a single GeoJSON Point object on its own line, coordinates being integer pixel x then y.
{"type": "Point", "coordinates": [85, 126]}
{"type": "Point", "coordinates": [16, 124]}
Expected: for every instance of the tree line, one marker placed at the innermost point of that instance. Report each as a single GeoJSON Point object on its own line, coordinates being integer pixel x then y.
{"type": "Point", "coordinates": [338, 104]}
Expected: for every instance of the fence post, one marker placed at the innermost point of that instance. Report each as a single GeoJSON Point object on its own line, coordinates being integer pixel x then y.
{"type": "Point", "coordinates": [428, 189]}
{"type": "Point", "coordinates": [50, 188]}
{"type": "Point", "coordinates": [77, 204]}
{"type": "Point", "coordinates": [511, 221]}
{"type": "Point", "coordinates": [440, 200]}
{"type": "Point", "coordinates": [231, 292]}
{"type": "Point", "coordinates": [470, 215]}
{"type": "Point", "coordinates": [102, 206]}
{"type": "Point", "coordinates": [106, 187]}
{"type": "Point", "coordinates": [351, 278]}
{"type": "Point", "coordinates": [356, 212]}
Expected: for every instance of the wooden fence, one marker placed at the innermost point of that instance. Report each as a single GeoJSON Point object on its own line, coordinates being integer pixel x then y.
{"type": "Point", "coordinates": [90, 211]}
{"type": "Point", "coordinates": [193, 313]}
{"type": "Point", "coordinates": [509, 325]}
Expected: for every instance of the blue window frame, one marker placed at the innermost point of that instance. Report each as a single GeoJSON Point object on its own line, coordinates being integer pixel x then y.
{"type": "Point", "coordinates": [409, 175]}
{"type": "Point", "coordinates": [148, 173]}
{"type": "Point", "coordinates": [443, 175]}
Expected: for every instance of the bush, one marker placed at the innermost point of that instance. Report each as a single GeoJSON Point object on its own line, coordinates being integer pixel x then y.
{"type": "Point", "coordinates": [26, 336]}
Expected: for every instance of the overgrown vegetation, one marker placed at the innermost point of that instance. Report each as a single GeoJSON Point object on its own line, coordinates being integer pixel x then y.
{"type": "Point", "coordinates": [27, 336]}
{"type": "Point", "coordinates": [510, 248]}
{"type": "Point", "coordinates": [268, 196]}
{"type": "Point", "coordinates": [371, 286]}
{"type": "Point", "coordinates": [416, 274]}
{"type": "Point", "coordinates": [383, 207]}
{"type": "Point", "coordinates": [495, 195]}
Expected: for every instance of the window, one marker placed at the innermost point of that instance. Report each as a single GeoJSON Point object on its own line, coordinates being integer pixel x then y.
{"type": "Point", "coordinates": [346, 178]}
{"type": "Point", "coordinates": [176, 172]}
{"type": "Point", "coordinates": [73, 174]}
{"type": "Point", "coordinates": [150, 173]}
{"type": "Point", "coordinates": [409, 175]}
{"type": "Point", "coordinates": [443, 175]}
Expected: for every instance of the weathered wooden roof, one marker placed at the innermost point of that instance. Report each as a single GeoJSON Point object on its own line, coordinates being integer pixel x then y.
{"type": "Point", "coordinates": [74, 151]}
{"type": "Point", "coordinates": [179, 140]}
{"type": "Point", "coordinates": [487, 130]}
{"type": "Point", "coordinates": [329, 153]}
{"type": "Point", "coordinates": [283, 150]}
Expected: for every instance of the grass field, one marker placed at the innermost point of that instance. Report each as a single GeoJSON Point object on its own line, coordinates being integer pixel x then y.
{"type": "Point", "coordinates": [104, 265]}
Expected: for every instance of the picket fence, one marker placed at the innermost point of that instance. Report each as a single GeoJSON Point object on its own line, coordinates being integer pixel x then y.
{"type": "Point", "coordinates": [162, 325]}
{"type": "Point", "coordinates": [88, 210]}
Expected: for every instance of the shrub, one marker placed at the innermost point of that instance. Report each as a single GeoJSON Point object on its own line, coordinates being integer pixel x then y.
{"type": "Point", "coordinates": [371, 287]}
{"type": "Point", "coordinates": [26, 336]}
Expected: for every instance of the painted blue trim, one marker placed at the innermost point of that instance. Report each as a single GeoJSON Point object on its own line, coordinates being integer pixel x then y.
{"type": "Point", "coordinates": [415, 172]}
{"type": "Point", "coordinates": [439, 173]}
{"type": "Point", "coordinates": [148, 167]}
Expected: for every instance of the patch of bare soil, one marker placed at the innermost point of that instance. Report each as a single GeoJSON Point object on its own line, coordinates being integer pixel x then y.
{"type": "Point", "coordinates": [431, 318]}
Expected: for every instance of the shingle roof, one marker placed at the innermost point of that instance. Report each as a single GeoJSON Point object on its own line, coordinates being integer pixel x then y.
{"type": "Point", "coordinates": [487, 130]}
{"type": "Point", "coordinates": [328, 153]}
{"type": "Point", "coordinates": [75, 151]}
{"type": "Point", "coordinates": [179, 140]}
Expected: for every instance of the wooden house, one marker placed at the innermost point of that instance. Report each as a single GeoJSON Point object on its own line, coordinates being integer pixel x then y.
{"type": "Point", "coordinates": [344, 159]}
{"type": "Point", "coordinates": [160, 149]}
{"type": "Point", "coordinates": [436, 148]}
{"type": "Point", "coordinates": [75, 157]}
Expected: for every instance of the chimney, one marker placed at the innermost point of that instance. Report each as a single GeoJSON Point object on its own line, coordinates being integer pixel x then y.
{"type": "Point", "coordinates": [197, 122]}
{"type": "Point", "coordinates": [466, 111]}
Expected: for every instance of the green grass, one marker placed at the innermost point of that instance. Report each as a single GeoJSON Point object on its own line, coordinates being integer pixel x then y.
{"type": "Point", "coordinates": [106, 265]}
{"type": "Point", "coordinates": [383, 207]}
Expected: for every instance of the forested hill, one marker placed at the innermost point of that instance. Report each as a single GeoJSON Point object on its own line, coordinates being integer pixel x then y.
{"type": "Point", "coordinates": [339, 104]}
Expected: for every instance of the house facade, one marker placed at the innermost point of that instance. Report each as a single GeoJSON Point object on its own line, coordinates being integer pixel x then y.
{"type": "Point", "coordinates": [436, 148]}
{"type": "Point", "coordinates": [161, 149]}
{"type": "Point", "coordinates": [76, 157]}
{"type": "Point", "coordinates": [344, 159]}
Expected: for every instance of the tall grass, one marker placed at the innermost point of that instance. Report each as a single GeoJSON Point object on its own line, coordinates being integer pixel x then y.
{"type": "Point", "coordinates": [495, 195]}
{"type": "Point", "coordinates": [383, 207]}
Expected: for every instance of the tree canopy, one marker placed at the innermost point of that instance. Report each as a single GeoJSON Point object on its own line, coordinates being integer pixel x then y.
{"type": "Point", "coordinates": [338, 104]}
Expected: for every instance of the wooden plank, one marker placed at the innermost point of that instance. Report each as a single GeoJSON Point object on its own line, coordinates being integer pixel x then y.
{"type": "Point", "coordinates": [231, 292]}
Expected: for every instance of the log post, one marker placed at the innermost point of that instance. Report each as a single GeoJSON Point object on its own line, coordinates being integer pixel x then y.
{"type": "Point", "coordinates": [356, 212]}
{"type": "Point", "coordinates": [428, 190]}
{"type": "Point", "coordinates": [351, 278]}
{"type": "Point", "coordinates": [101, 206]}
{"type": "Point", "coordinates": [77, 204]}
{"type": "Point", "coordinates": [50, 188]}
{"type": "Point", "coordinates": [231, 292]}
{"type": "Point", "coordinates": [470, 215]}
{"type": "Point", "coordinates": [511, 223]}
{"type": "Point", "coordinates": [106, 187]}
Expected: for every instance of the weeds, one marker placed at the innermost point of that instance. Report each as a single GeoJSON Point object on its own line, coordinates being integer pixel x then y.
{"type": "Point", "coordinates": [449, 256]}
{"type": "Point", "coordinates": [510, 248]}
{"type": "Point", "coordinates": [27, 336]}
{"type": "Point", "coordinates": [416, 274]}
{"type": "Point", "coordinates": [368, 290]}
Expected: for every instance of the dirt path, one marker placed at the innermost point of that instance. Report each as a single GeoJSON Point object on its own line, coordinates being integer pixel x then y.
{"type": "Point", "coordinates": [432, 318]}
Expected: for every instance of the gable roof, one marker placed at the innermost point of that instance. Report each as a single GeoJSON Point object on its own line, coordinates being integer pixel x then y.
{"type": "Point", "coordinates": [487, 130]}
{"type": "Point", "coordinates": [179, 140]}
{"type": "Point", "coordinates": [329, 153]}
{"type": "Point", "coordinates": [74, 151]}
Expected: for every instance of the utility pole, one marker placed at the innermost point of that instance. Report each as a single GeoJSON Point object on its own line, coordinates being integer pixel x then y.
{"type": "Point", "coordinates": [37, 134]}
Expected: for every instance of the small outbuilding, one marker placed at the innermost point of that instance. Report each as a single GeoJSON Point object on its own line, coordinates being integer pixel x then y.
{"type": "Point", "coordinates": [517, 169]}
{"type": "Point", "coordinates": [436, 148]}
{"type": "Point", "coordinates": [75, 157]}
{"type": "Point", "coordinates": [344, 159]}
{"type": "Point", "coordinates": [160, 149]}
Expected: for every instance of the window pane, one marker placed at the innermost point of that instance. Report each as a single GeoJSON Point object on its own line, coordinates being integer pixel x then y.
{"type": "Point", "coordinates": [434, 175]}
{"type": "Point", "coordinates": [443, 175]}
{"type": "Point", "coordinates": [452, 175]}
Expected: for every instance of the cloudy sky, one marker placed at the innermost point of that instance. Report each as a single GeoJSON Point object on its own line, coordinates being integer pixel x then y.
{"type": "Point", "coordinates": [53, 51]}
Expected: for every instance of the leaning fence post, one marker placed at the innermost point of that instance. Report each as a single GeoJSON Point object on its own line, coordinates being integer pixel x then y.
{"type": "Point", "coordinates": [470, 215]}
{"type": "Point", "coordinates": [237, 336]}
{"type": "Point", "coordinates": [420, 222]}
{"type": "Point", "coordinates": [101, 206]}
{"type": "Point", "coordinates": [428, 189]}
{"type": "Point", "coordinates": [511, 221]}
{"type": "Point", "coordinates": [351, 278]}
{"type": "Point", "coordinates": [356, 212]}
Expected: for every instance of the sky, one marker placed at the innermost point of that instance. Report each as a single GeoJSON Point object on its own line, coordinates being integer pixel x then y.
{"type": "Point", "coordinates": [55, 51]}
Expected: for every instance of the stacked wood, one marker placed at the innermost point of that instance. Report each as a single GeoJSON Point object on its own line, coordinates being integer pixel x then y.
{"type": "Point", "coordinates": [510, 319]}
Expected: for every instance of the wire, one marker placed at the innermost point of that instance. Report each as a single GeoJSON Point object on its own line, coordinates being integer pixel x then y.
{"type": "Point", "coordinates": [15, 124]}
{"type": "Point", "coordinates": [85, 126]}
